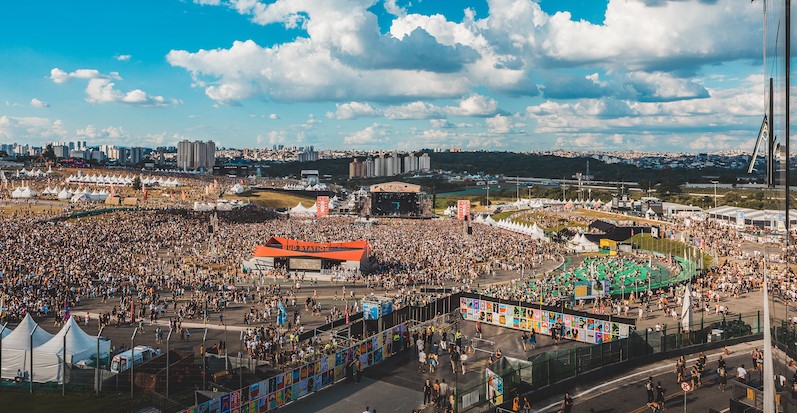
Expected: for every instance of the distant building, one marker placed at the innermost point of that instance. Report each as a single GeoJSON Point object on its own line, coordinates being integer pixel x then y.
{"type": "Point", "coordinates": [389, 165]}
{"type": "Point", "coordinates": [136, 155]}
{"type": "Point", "coordinates": [61, 151]}
{"type": "Point", "coordinates": [196, 155]}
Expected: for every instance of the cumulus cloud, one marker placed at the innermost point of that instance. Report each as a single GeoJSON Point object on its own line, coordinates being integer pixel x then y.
{"type": "Point", "coordinates": [353, 110]}
{"type": "Point", "coordinates": [38, 103]}
{"type": "Point", "coordinates": [101, 88]}
{"type": "Point", "coordinates": [109, 133]}
{"type": "Point", "coordinates": [30, 129]}
{"type": "Point", "coordinates": [370, 135]}
{"type": "Point", "coordinates": [500, 124]}
{"type": "Point", "coordinates": [474, 105]}
{"type": "Point", "coordinates": [123, 57]}
{"type": "Point", "coordinates": [414, 110]}
{"type": "Point", "coordinates": [273, 116]}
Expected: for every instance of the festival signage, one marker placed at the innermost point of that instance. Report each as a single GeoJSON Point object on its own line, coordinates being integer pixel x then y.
{"type": "Point", "coordinates": [289, 386]}
{"type": "Point", "coordinates": [322, 206]}
{"type": "Point", "coordinates": [740, 220]}
{"type": "Point", "coordinates": [574, 327]}
{"type": "Point", "coordinates": [495, 387]}
{"type": "Point", "coordinates": [463, 209]}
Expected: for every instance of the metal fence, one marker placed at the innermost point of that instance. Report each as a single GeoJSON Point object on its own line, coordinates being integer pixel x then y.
{"type": "Point", "coordinates": [546, 369]}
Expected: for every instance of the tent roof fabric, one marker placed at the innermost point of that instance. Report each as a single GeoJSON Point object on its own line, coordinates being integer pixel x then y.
{"type": "Point", "coordinates": [77, 340]}
{"type": "Point", "coordinates": [19, 339]}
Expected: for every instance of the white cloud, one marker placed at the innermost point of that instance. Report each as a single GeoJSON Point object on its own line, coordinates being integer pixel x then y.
{"type": "Point", "coordinates": [208, 2]}
{"type": "Point", "coordinates": [273, 116]}
{"type": "Point", "coordinates": [370, 135]}
{"type": "Point", "coordinates": [501, 124]}
{"type": "Point", "coordinates": [111, 133]}
{"type": "Point", "coordinates": [101, 89]}
{"type": "Point", "coordinates": [414, 110]}
{"type": "Point", "coordinates": [123, 57]}
{"type": "Point", "coordinates": [59, 76]}
{"type": "Point", "coordinates": [474, 105]}
{"type": "Point", "coordinates": [392, 7]}
{"type": "Point", "coordinates": [353, 110]}
{"type": "Point", "coordinates": [37, 103]}
{"type": "Point", "coordinates": [660, 86]}
{"type": "Point", "coordinates": [30, 129]}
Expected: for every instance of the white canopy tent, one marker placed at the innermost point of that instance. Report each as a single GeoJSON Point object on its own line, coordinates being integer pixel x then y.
{"type": "Point", "coordinates": [17, 346]}
{"type": "Point", "coordinates": [48, 359]}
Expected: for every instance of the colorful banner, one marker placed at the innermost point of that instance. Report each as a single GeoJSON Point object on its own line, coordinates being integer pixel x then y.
{"type": "Point", "coordinates": [572, 327]}
{"type": "Point", "coordinates": [322, 206]}
{"type": "Point", "coordinates": [463, 209]}
{"type": "Point", "coordinates": [289, 386]}
{"type": "Point", "coordinates": [495, 387]}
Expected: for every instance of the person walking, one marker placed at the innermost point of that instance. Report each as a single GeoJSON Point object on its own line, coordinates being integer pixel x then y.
{"type": "Point", "coordinates": [567, 403]}
{"type": "Point", "coordinates": [427, 392]}
{"type": "Point", "coordinates": [660, 395]}
{"type": "Point", "coordinates": [649, 389]}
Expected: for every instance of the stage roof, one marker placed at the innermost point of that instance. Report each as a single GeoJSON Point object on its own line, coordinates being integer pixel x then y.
{"type": "Point", "coordinates": [339, 251]}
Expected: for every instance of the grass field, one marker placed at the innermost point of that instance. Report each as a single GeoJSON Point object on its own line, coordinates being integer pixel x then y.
{"type": "Point", "coordinates": [10, 209]}
{"type": "Point", "coordinates": [273, 199]}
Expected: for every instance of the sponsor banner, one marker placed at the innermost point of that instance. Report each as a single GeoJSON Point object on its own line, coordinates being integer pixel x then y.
{"type": "Point", "coordinates": [463, 209]}
{"type": "Point", "coordinates": [322, 206]}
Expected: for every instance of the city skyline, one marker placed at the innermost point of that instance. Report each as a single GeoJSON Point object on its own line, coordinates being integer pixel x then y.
{"type": "Point", "coordinates": [518, 75]}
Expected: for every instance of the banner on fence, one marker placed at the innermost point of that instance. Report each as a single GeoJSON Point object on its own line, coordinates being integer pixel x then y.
{"type": "Point", "coordinates": [495, 387]}
{"type": "Point", "coordinates": [289, 386]}
{"type": "Point", "coordinates": [573, 327]}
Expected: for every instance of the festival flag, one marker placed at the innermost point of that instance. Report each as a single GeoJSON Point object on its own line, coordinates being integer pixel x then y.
{"type": "Point", "coordinates": [171, 195]}
{"type": "Point", "coordinates": [146, 192]}
{"type": "Point", "coordinates": [113, 193]}
{"type": "Point", "coordinates": [66, 311]}
{"type": "Point", "coordinates": [133, 311]}
{"type": "Point", "coordinates": [282, 316]}
{"type": "Point", "coordinates": [182, 196]}
{"type": "Point", "coordinates": [347, 311]}
{"type": "Point", "coordinates": [686, 310]}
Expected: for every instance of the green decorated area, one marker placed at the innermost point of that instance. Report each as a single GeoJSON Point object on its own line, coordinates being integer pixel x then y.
{"type": "Point", "coordinates": [625, 274]}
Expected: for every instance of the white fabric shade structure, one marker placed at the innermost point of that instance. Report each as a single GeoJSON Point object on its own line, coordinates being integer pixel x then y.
{"type": "Point", "coordinates": [48, 350]}
{"type": "Point", "coordinates": [236, 189]}
{"type": "Point", "coordinates": [300, 209]}
{"type": "Point", "coordinates": [580, 243]}
{"type": "Point", "coordinates": [531, 230]}
{"type": "Point", "coordinates": [23, 193]}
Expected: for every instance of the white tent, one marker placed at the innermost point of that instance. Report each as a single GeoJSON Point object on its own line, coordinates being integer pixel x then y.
{"type": "Point", "coordinates": [48, 359]}
{"type": "Point", "coordinates": [64, 194]}
{"type": "Point", "coordinates": [80, 197]}
{"type": "Point", "coordinates": [300, 209]}
{"type": "Point", "coordinates": [17, 346]}
{"type": "Point", "coordinates": [236, 189]}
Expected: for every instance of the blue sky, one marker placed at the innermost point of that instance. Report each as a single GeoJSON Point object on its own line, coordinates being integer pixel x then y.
{"type": "Point", "coordinates": [673, 75]}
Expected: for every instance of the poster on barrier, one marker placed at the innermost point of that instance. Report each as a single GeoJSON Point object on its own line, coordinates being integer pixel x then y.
{"type": "Point", "coordinates": [574, 327]}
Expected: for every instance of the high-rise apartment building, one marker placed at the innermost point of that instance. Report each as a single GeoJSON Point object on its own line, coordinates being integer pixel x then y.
{"type": "Point", "coordinates": [196, 155]}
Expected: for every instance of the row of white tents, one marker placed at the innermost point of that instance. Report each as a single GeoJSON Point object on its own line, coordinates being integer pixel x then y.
{"type": "Point", "coordinates": [33, 172]}
{"type": "Point", "coordinates": [126, 180]}
{"type": "Point", "coordinates": [23, 192]}
{"type": "Point", "coordinates": [220, 205]}
{"type": "Point", "coordinates": [49, 354]}
{"type": "Point", "coordinates": [531, 230]}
